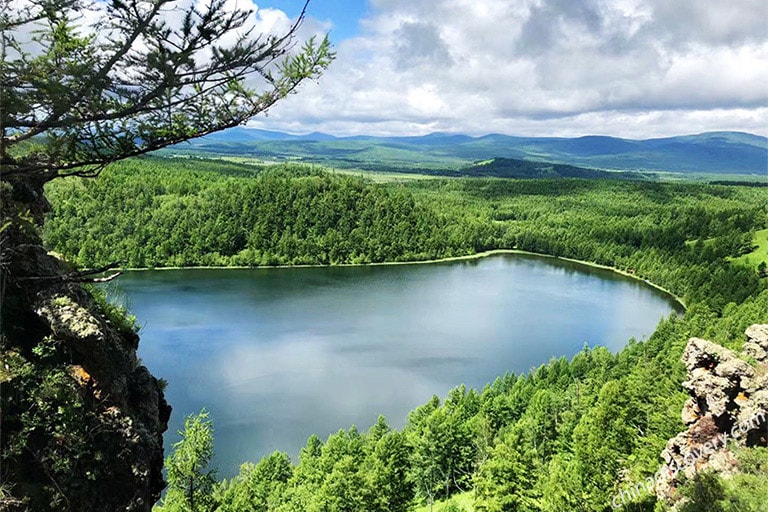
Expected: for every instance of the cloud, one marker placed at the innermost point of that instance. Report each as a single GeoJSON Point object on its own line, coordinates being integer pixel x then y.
{"type": "Point", "coordinates": [730, 23]}
{"type": "Point", "coordinates": [551, 67]}
{"type": "Point", "coordinates": [420, 43]}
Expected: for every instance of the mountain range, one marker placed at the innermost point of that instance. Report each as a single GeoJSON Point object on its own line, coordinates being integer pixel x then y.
{"type": "Point", "coordinates": [712, 152]}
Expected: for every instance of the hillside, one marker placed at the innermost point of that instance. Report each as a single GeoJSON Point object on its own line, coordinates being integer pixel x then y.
{"type": "Point", "coordinates": [714, 152]}
{"type": "Point", "coordinates": [527, 169]}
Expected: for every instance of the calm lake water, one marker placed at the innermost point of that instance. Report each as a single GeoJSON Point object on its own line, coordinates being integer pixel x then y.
{"type": "Point", "coordinates": [276, 355]}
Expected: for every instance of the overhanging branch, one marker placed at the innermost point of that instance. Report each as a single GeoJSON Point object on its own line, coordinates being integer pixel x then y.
{"type": "Point", "coordinates": [82, 276]}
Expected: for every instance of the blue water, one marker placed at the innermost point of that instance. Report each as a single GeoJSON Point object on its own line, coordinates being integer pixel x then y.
{"type": "Point", "coordinates": [278, 354]}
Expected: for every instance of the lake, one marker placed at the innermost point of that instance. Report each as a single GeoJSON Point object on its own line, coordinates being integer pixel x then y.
{"type": "Point", "coordinates": [276, 355]}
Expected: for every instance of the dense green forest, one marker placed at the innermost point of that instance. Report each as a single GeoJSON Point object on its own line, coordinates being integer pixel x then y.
{"type": "Point", "coordinates": [188, 212]}
{"type": "Point", "coordinates": [569, 435]}
{"type": "Point", "coordinates": [514, 168]}
{"type": "Point", "coordinates": [504, 168]}
{"type": "Point", "coordinates": [679, 236]}
{"type": "Point", "coordinates": [194, 212]}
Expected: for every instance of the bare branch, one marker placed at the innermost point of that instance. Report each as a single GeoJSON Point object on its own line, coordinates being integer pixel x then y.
{"type": "Point", "coordinates": [82, 276]}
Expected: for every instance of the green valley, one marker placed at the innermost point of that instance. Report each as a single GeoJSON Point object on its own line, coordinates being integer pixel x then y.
{"type": "Point", "coordinates": [714, 155]}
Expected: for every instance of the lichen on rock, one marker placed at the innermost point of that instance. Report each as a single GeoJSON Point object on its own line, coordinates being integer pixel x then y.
{"type": "Point", "coordinates": [82, 419]}
{"type": "Point", "coordinates": [727, 408]}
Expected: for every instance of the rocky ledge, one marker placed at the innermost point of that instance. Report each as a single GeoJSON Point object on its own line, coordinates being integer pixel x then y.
{"type": "Point", "coordinates": [82, 420]}
{"type": "Point", "coordinates": [727, 408]}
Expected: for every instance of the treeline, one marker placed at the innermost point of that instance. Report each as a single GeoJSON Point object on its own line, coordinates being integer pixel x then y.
{"type": "Point", "coordinates": [736, 183]}
{"type": "Point", "coordinates": [679, 236]}
{"type": "Point", "coordinates": [530, 169]}
{"type": "Point", "coordinates": [194, 212]}
{"type": "Point", "coordinates": [496, 168]}
{"type": "Point", "coordinates": [154, 212]}
{"type": "Point", "coordinates": [570, 435]}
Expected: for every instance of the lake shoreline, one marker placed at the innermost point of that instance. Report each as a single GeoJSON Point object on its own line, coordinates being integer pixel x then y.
{"type": "Point", "coordinates": [258, 349]}
{"type": "Point", "coordinates": [467, 257]}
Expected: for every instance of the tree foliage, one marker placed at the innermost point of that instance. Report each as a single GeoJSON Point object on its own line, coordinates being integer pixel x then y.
{"type": "Point", "coordinates": [158, 212]}
{"type": "Point", "coordinates": [77, 94]}
{"type": "Point", "coordinates": [568, 435]}
{"type": "Point", "coordinates": [679, 236]}
{"type": "Point", "coordinates": [83, 84]}
{"type": "Point", "coordinates": [190, 483]}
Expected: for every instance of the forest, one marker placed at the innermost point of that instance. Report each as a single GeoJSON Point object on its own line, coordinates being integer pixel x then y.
{"type": "Point", "coordinates": [194, 212]}
{"type": "Point", "coordinates": [569, 435]}
{"type": "Point", "coordinates": [207, 213]}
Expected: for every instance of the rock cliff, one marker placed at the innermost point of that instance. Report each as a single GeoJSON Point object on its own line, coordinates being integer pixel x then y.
{"type": "Point", "coordinates": [727, 408]}
{"type": "Point", "coordinates": [82, 419]}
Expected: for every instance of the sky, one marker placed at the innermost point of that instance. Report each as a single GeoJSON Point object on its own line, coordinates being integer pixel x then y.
{"type": "Point", "coordinates": [625, 68]}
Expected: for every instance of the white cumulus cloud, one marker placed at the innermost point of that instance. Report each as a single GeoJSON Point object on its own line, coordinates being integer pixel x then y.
{"type": "Point", "coordinates": [632, 68]}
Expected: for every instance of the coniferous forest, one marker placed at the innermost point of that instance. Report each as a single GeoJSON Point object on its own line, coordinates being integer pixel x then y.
{"type": "Point", "coordinates": [569, 435]}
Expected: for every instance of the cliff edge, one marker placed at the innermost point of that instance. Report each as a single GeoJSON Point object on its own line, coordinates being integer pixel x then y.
{"type": "Point", "coordinates": [82, 420]}
{"type": "Point", "coordinates": [727, 409]}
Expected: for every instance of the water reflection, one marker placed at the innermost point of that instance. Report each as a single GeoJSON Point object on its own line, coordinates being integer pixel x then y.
{"type": "Point", "coordinates": [278, 354]}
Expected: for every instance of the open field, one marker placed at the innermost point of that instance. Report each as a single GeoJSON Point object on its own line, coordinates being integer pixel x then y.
{"type": "Point", "coordinates": [759, 254]}
{"type": "Point", "coordinates": [463, 502]}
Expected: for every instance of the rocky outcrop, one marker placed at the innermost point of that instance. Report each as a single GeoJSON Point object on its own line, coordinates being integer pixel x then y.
{"type": "Point", "coordinates": [728, 407]}
{"type": "Point", "coordinates": [757, 346]}
{"type": "Point", "coordinates": [82, 419]}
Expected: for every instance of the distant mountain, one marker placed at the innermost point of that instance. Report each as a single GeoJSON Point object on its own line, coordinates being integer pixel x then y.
{"type": "Point", "coordinates": [241, 135]}
{"type": "Point", "coordinates": [714, 152]}
{"type": "Point", "coordinates": [720, 152]}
